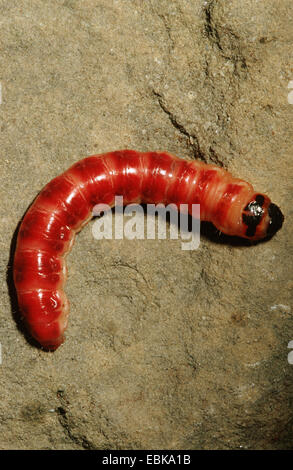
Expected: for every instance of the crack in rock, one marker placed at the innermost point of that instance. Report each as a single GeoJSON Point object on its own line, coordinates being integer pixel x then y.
{"type": "Point", "coordinates": [67, 424]}
{"type": "Point", "coordinates": [232, 50]}
{"type": "Point", "coordinates": [193, 140]}
{"type": "Point", "coordinates": [215, 158]}
{"type": "Point", "coordinates": [210, 29]}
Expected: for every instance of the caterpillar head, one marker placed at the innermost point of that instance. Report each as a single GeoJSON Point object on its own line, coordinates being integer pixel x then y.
{"type": "Point", "coordinates": [261, 218]}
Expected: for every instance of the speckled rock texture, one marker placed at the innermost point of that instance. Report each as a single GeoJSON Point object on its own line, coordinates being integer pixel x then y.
{"type": "Point", "coordinates": [165, 348]}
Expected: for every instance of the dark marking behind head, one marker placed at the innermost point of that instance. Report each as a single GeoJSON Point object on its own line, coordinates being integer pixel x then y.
{"type": "Point", "coordinates": [276, 217]}
{"type": "Point", "coordinates": [260, 199]}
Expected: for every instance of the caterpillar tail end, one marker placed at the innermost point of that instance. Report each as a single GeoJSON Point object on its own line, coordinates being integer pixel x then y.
{"type": "Point", "coordinates": [276, 219]}
{"type": "Point", "coordinates": [54, 344]}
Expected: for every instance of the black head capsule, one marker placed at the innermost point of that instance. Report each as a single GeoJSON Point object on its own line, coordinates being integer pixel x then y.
{"type": "Point", "coordinates": [261, 218]}
{"type": "Point", "coordinates": [276, 219]}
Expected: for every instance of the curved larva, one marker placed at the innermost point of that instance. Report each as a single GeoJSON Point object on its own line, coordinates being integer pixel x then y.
{"type": "Point", "coordinates": [65, 204]}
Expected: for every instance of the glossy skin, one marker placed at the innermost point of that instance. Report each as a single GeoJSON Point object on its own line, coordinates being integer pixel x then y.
{"type": "Point", "coordinates": [65, 204]}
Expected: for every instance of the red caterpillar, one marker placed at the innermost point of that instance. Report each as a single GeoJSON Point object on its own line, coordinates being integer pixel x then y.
{"type": "Point", "coordinates": [65, 204]}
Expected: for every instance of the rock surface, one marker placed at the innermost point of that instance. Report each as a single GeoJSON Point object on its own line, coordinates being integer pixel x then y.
{"type": "Point", "coordinates": [165, 348]}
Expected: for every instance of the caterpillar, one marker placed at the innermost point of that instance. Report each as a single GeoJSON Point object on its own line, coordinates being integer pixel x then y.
{"type": "Point", "coordinates": [64, 206]}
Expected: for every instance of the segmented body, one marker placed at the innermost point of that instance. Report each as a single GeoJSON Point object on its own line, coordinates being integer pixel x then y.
{"type": "Point", "coordinates": [65, 204]}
